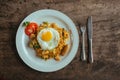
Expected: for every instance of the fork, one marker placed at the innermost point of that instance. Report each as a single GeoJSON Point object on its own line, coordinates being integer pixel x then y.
{"type": "Point", "coordinates": [83, 56]}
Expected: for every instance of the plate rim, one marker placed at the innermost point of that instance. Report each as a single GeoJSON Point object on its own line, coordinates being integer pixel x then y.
{"type": "Point", "coordinates": [26, 61]}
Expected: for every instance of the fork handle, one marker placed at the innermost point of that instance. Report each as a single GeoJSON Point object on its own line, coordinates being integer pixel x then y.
{"type": "Point", "coordinates": [83, 56]}
{"type": "Point", "coordinates": [90, 55]}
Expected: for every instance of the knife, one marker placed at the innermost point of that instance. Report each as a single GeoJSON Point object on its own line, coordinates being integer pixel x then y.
{"type": "Point", "coordinates": [90, 33]}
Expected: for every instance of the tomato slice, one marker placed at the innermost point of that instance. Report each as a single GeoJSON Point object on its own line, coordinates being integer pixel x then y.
{"type": "Point", "coordinates": [29, 30]}
{"type": "Point", "coordinates": [33, 25]}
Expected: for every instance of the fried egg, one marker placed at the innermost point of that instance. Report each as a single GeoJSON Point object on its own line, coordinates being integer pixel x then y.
{"type": "Point", "coordinates": [48, 38]}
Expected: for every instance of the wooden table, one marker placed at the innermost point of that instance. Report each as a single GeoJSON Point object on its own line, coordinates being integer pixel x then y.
{"type": "Point", "coordinates": [106, 39]}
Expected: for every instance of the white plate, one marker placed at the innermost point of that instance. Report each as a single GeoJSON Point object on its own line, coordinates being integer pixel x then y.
{"type": "Point", "coordinates": [28, 55]}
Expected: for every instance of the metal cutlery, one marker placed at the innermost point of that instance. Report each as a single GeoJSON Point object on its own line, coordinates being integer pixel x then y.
{"type": "Point", "coordinates": [90, 33]}
{"type": "Point", "coordinates": [83, 55]}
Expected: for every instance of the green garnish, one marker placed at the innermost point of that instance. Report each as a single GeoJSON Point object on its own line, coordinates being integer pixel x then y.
{"type": "Point", "coordinates": [45, 22]}
{"type": "Point", "coordinates": [26, 23]}
{"type": "Point", "coordinates": [36, 46]}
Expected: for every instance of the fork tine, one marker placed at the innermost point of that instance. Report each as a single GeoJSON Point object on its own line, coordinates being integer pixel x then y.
{"type": "Point", "coordinates": [83, 29]}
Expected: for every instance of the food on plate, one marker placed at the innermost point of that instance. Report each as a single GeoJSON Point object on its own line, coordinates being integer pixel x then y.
{"type": "Point", "coordinates": [48, 39]}
{"type": "Point", "coordinates": [30, 27]}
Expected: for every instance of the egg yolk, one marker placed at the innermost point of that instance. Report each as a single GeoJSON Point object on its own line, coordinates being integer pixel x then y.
{"type": "Point", "coordinates": [46, 36]}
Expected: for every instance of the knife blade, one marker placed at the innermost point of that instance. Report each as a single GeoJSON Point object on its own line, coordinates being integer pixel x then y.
{"type": "Point", "coordinates": [90, 34]}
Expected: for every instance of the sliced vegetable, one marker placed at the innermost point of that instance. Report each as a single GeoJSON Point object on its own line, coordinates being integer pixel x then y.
{"type": "Point", "coordinates": [29, 30]}
{"type": "Point", "coordinates": [33, 25]}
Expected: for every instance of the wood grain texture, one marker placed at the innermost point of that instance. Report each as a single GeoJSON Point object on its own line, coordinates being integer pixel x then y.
{"type": "Point", "coordinates": [106, 39]}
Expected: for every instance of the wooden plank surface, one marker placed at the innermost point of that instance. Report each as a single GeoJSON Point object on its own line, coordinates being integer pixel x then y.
{"type": "Point", "coordinates": [106, 39]}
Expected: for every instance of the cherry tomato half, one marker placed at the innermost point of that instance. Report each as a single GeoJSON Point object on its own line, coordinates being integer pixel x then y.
{"type": "Point", "coordinates": [29, 30]}
{"type": "Point", "coordinates": [33, 25]}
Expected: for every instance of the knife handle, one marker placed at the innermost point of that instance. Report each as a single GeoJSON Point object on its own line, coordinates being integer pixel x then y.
{"type": "Point", "coordinates": [90, 51]}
